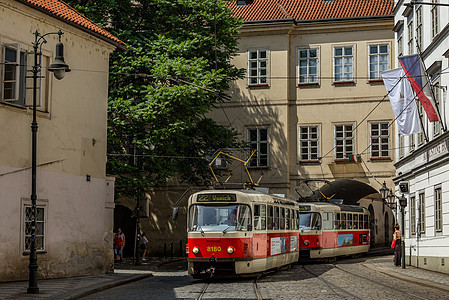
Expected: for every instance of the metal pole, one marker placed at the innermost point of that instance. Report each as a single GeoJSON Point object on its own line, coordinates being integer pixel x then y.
{"type": "Point", "coordinates": [403, 239]}
{"type": "Point", "coordinates": [32, 267]}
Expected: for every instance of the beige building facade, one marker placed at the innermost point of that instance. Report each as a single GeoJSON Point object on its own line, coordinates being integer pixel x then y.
{"type": "Point", "coordinates": [75, 199]}
{"type": "Point", "coordinates": [313, 105]}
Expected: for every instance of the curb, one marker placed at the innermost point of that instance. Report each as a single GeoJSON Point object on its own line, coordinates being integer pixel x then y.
{"type": "Point", "coordinates": [408, 278]}
{"type": "Point", "coordinates": [101, 287]}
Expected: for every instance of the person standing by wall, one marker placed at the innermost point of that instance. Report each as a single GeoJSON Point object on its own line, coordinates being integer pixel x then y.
{"type": "Point", "coordinates": [397, 236]}
{"type": "Point", "coordinates": [117, 247]}
{"type": "Point", "coordinates": [122, 236]}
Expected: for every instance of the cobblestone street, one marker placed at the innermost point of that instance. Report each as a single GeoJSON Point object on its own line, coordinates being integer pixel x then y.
{"type": "Point", "coordinates": [363, 278]}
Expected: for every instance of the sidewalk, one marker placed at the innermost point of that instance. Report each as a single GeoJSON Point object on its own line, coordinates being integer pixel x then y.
{"type": "Point", "coordinates": [419, 276]}
{"type": "Point", "coordinates": [77, 287]}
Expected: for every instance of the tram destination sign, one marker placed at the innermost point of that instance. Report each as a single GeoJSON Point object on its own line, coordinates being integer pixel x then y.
{"type": "Point", "coordinates": [217, 198]}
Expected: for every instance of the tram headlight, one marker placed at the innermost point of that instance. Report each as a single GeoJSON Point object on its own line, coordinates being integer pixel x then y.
{"type": "Point", "coordinates": [196, 250]}
{"type": "Point", "coordinates": [306, 242]}
{"type": "Point", "coordinates": [230, 250]}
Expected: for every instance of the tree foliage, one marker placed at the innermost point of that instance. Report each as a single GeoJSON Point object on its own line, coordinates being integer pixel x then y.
{"type": "Point", "coordinates": [174, 70]}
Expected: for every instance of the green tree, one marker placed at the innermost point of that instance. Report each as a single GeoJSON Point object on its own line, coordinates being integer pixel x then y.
{"type": "Point", "coordinates": [174, 70]}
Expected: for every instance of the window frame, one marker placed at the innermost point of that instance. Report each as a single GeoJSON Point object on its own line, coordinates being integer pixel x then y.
{"type": "Point", "coordinates": [434, 13]}
{"type": "Point", "coordinates": [422, 212]}
{"type": "Point", "coordinates": [259, 155]}
{"type": "Point", "coordinates": [438, 209]}
{"type": "Point", "coordinates": [410, 37]}
{"type": "Point", "coordinates": [344, 139]}
{"type": "Point", "coordinates": [380, 141]}
{"type": "Point", "coordinates": [40, 204]}
{"type": "Point", "coordinates": [378, 54]}
{"type": "Point", "coordinates": [308, 60]}
{"type": "Point", "coordinates": [412, 215]}
{"type": "Point", "coordinates": [419, 28]}
{"type": "Point", "coordinates": [309, 140]}
{"type": "Point", "coordinates": [258, 68]}
{"type": "Point", "coordinates": [343, 65]}
{"type": "Point", "coordinates": [401, 146]}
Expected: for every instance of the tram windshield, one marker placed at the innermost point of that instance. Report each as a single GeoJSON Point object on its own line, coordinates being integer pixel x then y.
{"type": "Point", "coordinates": [220, 218]}
{"type": "Point", "coordinates": [309, 221]}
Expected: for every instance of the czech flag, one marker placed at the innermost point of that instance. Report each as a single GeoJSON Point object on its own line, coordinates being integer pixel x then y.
{"type": "Point", "coordinates": [416, 74]}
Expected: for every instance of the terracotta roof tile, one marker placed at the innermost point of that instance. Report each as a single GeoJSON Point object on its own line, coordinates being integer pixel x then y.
{"type": "Point", "coordinates": [307, 10]}
{"type": "Point", "coordinates": [63, 11]}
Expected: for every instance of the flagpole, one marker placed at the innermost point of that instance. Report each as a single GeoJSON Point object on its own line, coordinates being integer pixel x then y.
{"type": "Point", "coordinates": [431, 86]}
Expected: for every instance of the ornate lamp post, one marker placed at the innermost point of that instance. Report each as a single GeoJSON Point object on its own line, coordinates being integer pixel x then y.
{"type": "Point", "coordinates": [59, 68]}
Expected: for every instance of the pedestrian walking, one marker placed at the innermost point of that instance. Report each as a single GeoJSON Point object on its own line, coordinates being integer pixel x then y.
{"type": "Point", "coordinates": [122, 236]}
{"type": "Point", "coordinates": [397, 238]}
{"type": "Point", "coordinates": [144, 246]}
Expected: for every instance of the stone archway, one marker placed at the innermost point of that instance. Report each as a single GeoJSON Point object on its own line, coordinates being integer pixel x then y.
{"type": "Point", "coordinates": [123, 219]}
{"type": "Point", "coordinates": [372, 226]}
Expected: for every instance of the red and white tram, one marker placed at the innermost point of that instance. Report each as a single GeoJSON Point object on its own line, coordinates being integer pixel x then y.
{"type": "Point", "coordinates": [263, 236]}
{"type": "Point", "coordinates": [329, 230]}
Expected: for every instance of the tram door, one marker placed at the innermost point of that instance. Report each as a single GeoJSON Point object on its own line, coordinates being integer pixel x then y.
{"type": "Point", "coordinates": [372, 226]}
{"type": "Point", "coordinates": [260, 230]}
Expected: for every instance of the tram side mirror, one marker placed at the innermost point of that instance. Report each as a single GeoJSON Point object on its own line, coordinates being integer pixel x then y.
{"type": "Point", "coordinates": [175, 213]}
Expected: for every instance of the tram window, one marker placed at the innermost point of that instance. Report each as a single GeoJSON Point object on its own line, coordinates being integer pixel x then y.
{"type": "Point", "coordinates": [327, 221]}
{"type": "Point", "coordinates": [270, 217]}
{"type": "Point", "coordinates": [260, 217]}
{"type": "Point", "coordinates": [337, 222]}
{"type": "Point", "coordinates": [348, 221]}
{"type": "Point", "coordinates": [244, 218]}
{"type": "Point", "coordinates": [217, 218]}
{"type": "Point", "coordinates": [361, 222]}
{"type": "Point", "coordinates": [355, 223]}
{"type": "Point", "coordinates": [292, 219]}
{"type": "Point", "coordinates": [365, 221]}
{"type": "Point", "coordinates": [297, 219]}
{"type": "Point", "coordinates": [287, 218]}
{"type": "Point", "coordinates": [309, 221]}
{"type": "Point", "coordinates": [343, 220]}
{"type": "Point", "coordinates": [282, 218]}
{"type": "Point", "coordinates": [276, 218]}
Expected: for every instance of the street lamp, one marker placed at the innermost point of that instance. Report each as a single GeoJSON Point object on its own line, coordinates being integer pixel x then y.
{"type": "Point", "coordinates": [384, 191]}
{"type": "Point", "coordinates": [59, 68]}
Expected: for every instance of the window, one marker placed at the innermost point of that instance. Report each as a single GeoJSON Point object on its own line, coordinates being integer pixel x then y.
{"type": "Point", "coordinates": [258, 140]}
{"type": "Point", "coordinates": [270, 219]}
{"type": "Point", "coordinates": [343, 221]}
{"type": "Point", "coordinates": [412, 215]}
{"type": "Point", "coordinates": [355, 223]}
{"type": "Point", "coordinates": [401, 145]}
{"type": "Point", "coordinates": [438, 211]}
{"type": "Point", "coordinates": [436, 125]}
{"type": "Point", "coordinates": [14, 75]}
{"type": "Point", "coordinates": [421, 115]}
{"type": "Point", "coordinates": [287, 219]}
{"type": "Point", "coordinates": [380, 140]}
{"type": "Point", "coordinates": [327, 221]}
{"type": "Point", "coordinates": [309, 221]}
{"type": "Point", "coordinates": [282, 218]}
{"type": "Point", "coordinates": [400, 45]}
{"type": "Point", "coordinates": [308, 65]}
{"type": "Point", "coordinates": [349, 221]}
{"type": "Point", "coordinates": [360, 221]}
{"type": "Point", "coordinates": [337, 222]}
{"type": "Point", "coordinates": [419, 28]}
{"type": "Point", "coordinates": [410, 37]}
{"type": "Point", "coordinates": [343, 63]}
{"type": "Point", "coordinates": [435, 17]}
{"type": "Point", "coordinates": [260, 212]}
{"type": "Point", "coordinates": [15, 87]}
{"type": "Point", "coordinates": [257, 67]}
{"type": "Point", "coordinates": [344, 141]}
{"type": "Point", "coordinates": [365, 222]}
{"type": "Point", "coordinates": [276, 218]}
{"type": "Point", "coordinates": [378, 60]}
{"type": "Point", "coordinates": [422, 213]}
{"type": "Point", "coordinates": [411, 142]}
{"type": "Point", "coordinates": [308, 143]}
{"type": "Point", "coordinates": [40, 228]}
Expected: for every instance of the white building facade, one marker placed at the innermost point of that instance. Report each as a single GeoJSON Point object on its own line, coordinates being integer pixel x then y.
{"type": "Point", "coordinates": [423, 159]}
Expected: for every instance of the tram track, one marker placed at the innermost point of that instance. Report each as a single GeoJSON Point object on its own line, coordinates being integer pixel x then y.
{"type": "Point", "coordinates": [256, 290]}
{"type": "Point", "coordinates": [341, 292]}
{"type": "Point", "coordinates": [393, 288]}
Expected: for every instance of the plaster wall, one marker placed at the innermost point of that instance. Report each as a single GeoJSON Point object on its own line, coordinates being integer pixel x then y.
{"type": "Point", "coordinates": [71, 144]}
